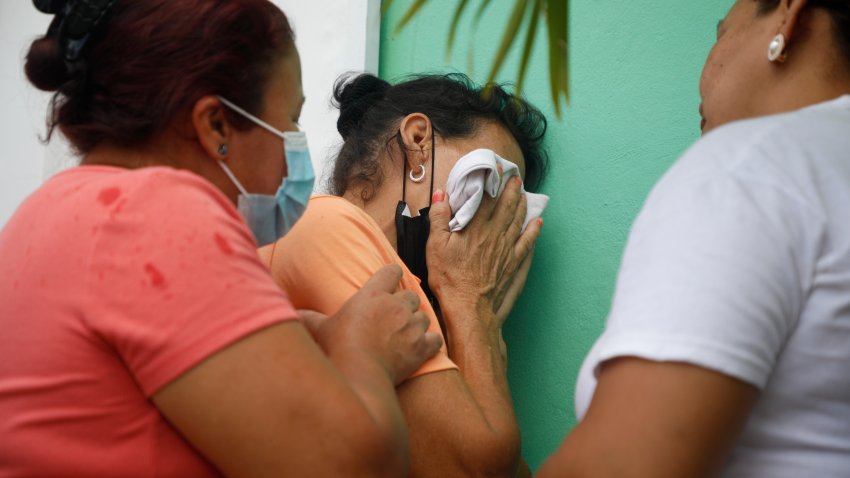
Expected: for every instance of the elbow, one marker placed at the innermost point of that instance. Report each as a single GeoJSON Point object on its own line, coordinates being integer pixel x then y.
{"type": "Point", "coordinates": [497, 456]}
{"type": "Point", "coordinates": [373, 451]}
{"type": "Point", "coordinates": [388, 455]}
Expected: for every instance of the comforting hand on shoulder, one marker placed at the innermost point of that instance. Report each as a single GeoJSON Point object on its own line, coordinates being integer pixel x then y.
{"type": "Point", "coordinates": [386, 325]}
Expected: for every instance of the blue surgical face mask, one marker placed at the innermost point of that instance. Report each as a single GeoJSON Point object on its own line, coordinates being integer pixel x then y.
{"type": "Point", "coordinates": [270, 217]}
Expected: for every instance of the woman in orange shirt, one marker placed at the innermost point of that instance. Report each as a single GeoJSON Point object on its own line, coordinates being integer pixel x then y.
{"type": "Point", "coordinates": [401, 142]}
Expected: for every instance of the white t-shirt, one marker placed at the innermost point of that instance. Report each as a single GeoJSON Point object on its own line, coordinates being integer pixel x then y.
{"type": "Point", "coordinates": [740, 263]}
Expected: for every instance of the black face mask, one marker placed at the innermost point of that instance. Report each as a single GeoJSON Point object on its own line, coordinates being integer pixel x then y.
{"type": "Point", "coordinates": [412, 235]}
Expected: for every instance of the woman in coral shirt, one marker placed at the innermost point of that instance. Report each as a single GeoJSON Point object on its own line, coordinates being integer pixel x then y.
{"type": "Point", "coordinates": [142, 336]}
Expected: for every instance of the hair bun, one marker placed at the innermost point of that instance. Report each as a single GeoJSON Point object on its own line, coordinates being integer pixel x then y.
{"type": "Point", "coordinates": [51, 7]}
{"type": "Point", "coordinates": [45, 67]}
{"type": "Point", "coordinates": [354, 95]}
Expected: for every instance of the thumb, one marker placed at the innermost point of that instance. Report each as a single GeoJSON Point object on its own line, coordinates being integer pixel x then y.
{"type": "Point", "coordinates": [439, 216]}
{"type": "Point", "coordinates": [311, 318]}
{"type": "Point", "coordinates": [312, 321]}
{"type": "Point", "coordinates": [385, 280]}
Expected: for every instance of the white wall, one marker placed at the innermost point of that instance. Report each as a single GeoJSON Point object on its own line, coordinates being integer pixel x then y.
{"type": "Point", "coordinates": [22, 107]}
{"type": "Point", "coordinates": [333, 37]}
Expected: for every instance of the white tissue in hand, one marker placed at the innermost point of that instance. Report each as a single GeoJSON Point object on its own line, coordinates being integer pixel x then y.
{"type": "Point", "coordinates": [477, 173]}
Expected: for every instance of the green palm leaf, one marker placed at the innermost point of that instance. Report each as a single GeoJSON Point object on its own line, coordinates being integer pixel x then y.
{"type": "Point", "coordinates": [556, 18]}
{"type": "Point", "coordinates": [411, 12]}
{"type": "Point", "coordinates": [553, 12]}
{"type": "Point", "coordinates": [528, 47]}
{"type": "Point", "coordinates": [461, 6]}
{"type": "Point", "coordinates": [511, 30]}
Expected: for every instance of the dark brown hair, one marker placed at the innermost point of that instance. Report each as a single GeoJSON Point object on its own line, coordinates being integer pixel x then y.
{"type": "Point", "coordinates": [370, 110]}
{"type": "Point", "coordinates": [149, 60]}
{"type": "Point", "coordinates": [839, 10]}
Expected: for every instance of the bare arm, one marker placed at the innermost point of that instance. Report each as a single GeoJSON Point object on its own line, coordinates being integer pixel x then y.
{"type": "Point", "coordinates": [462, 423]}
{"type": "Point", "coordinates": [273, 404]}
{"type": "Point", "coordinates": [654, 419]}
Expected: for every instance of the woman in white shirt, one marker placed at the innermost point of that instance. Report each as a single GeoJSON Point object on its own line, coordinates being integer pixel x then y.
{"type": "Point", "coordinates": [727, 350]}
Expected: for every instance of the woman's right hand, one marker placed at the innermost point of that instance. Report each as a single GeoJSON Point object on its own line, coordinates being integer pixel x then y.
{"type": "Point", "coordinates": [385, 325]}
{"type": "Point", "coordinates": [486, 264]}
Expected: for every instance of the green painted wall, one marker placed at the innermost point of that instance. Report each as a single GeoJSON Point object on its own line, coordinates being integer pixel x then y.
{"type": "Point", "coordinates": [635, 70]}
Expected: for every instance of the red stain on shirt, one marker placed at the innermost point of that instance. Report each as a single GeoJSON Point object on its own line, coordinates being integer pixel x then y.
{"type": "Point", "coordinates": [222, 244]}
{"type": "Point", "coordinates": [119, 206]}
{"type": "Point", "coordinates": [108, 196]}
{"type": "Point", "coordinates": [156, 277]}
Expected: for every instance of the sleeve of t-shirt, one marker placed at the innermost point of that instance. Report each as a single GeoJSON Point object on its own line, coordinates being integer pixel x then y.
{"type": "Point", "coordinates": [176, 277]}
{"type": "Point", "coordinates": [330, 253]}
{"type": "Point", "coordinates": [714, 274]}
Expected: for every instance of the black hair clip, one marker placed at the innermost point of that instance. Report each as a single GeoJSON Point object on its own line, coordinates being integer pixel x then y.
{"type": "Point", "coordinates": [51, 7]}
{"type": "Point", "coordinates": [79, 24]}
{"type": "Point", "coordinates": [74, 23]}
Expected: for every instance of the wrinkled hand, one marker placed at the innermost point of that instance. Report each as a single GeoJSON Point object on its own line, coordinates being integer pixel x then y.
{"type": "Point", "coordinates": [487, 263]}
{"type": "Point", "coordinates": [386, 325]}
{"type": "Point", "coordinates": [515, 288]}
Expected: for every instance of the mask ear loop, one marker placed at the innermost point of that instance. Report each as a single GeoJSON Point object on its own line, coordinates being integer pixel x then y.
{"type": "Point", "coordinates": [403, 173]}
{"type": "Point", "coordinates": [433, 149]}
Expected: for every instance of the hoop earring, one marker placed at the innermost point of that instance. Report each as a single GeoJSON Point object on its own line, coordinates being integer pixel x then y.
{"type": "Point", "coordinates": [776, 49]}
{"type": "Point", "coordinates": [223, 150]}
{"type": "Point", "coordinates": [419, 177]}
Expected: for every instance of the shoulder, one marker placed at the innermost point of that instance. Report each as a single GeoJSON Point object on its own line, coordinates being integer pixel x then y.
{"type": "Point", "coordinates": [162, 201]}
{"type": "Point", "coordinates": [334, 210]}
{"type": "Point", "coordinates": [783, 157]}
{"type": "Point", "coordinates": [175, 190]}
{"type": "Point", "coordinates": [332, 230]}
{"type": "Point", "coordinates": [337, 221]}
{"type": "Point", "coordinates": [774, 148]}
{"type": "Point", "coordinates": [166, 213]}
{"type": "Point", "coordinates": [328, 255]}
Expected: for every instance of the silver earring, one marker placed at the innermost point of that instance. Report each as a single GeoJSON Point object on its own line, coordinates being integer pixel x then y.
{"type": "Point", "coordinates": [223, 150]}
{"type": "Point", "coordinates": [776, 49]}
{"type": "Point", "coordinates": [418, 178]}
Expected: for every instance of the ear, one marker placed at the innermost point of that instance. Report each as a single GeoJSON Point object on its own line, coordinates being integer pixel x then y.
{"type": "Point", "coordinates": [791, 10]}
{"type": "Point", "coordinates": [415, 130]}
{"type": "Point", "coordinates": [211, 127]}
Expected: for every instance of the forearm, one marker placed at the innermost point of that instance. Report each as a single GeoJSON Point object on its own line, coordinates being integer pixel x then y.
{"type": "Point", "coordinates": [475, 345]}
{"type": "Point", "coordinates": [376, 393]}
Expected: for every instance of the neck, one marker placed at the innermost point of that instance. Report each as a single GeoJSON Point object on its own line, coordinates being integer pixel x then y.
{"type": "Point", "coordinates": [378, 208]}
{"type": "Point", "coordinates": [815, 71]}
{"type": "Point", "coordinates": [128, 158]}
{"type": "Point", "coordinates": [806, 89]}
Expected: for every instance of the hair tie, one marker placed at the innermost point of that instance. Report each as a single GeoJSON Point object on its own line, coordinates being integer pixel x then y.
{"type": "Point", "coordinates": [355, 98]}
{"type": "Point", "coordinates": [74, 24]}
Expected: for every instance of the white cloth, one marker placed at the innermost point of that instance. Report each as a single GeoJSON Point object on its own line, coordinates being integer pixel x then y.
{"type": "Point", "coordinates": [740, 263]}
{"type": "Point", "coordinates": [476, 173]}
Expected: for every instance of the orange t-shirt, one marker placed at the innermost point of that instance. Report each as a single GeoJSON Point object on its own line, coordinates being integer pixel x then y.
{"type": "Point", "coordinates": [113, 283]}
{"type": "Point", "coordinates": [330, 253]}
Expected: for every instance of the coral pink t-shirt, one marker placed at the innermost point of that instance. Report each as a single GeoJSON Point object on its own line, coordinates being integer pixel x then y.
{"type": "Point", "coordinates": [113, 283]}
